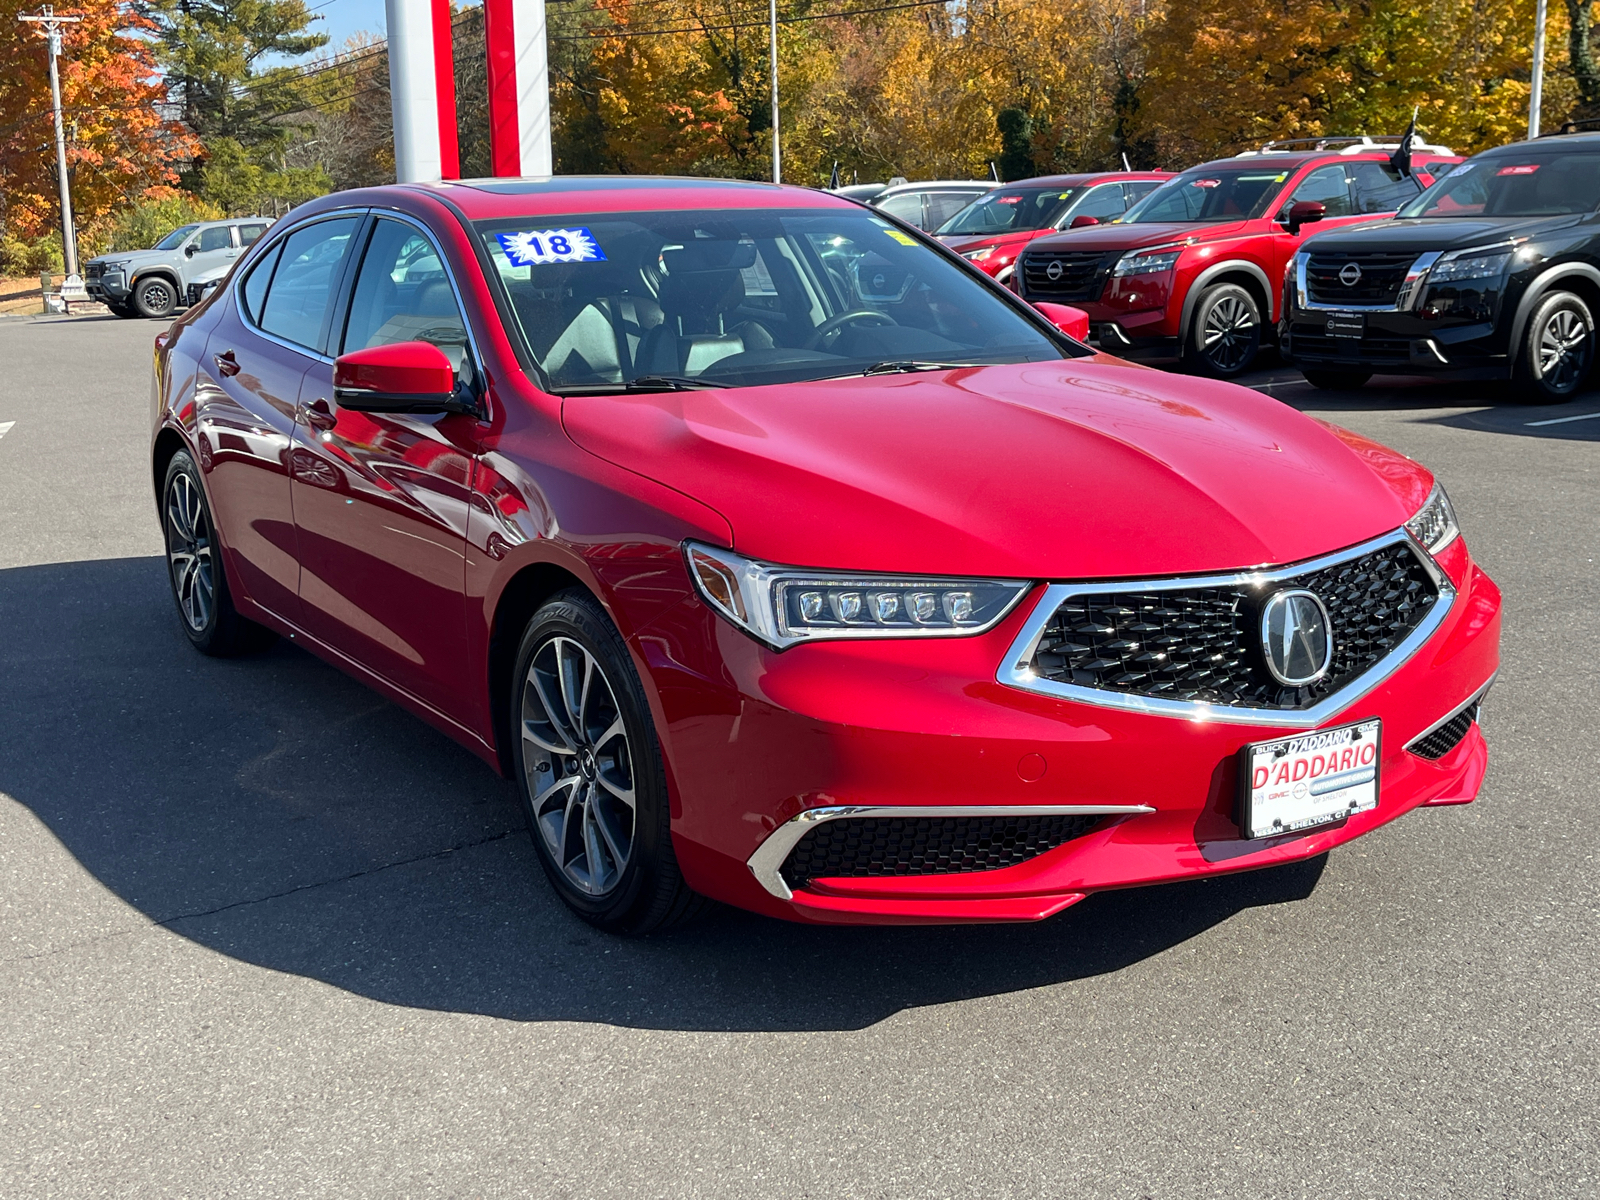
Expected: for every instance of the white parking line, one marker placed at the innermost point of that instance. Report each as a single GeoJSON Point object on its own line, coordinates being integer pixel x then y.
{"type": "Point", "coordinates": [5, 427]}
{"type": "Point", "coordinates": [1564, 420]}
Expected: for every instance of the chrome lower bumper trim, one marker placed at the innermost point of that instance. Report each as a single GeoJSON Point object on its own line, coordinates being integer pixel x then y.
{"type": "Point", "coordinates": [1476, 698]}
{"type": "Point", "coordinates": [766, 864]}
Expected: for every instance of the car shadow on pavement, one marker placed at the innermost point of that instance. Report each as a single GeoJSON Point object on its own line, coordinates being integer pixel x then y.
{"type": "Point", "coordinates": [274, 810]}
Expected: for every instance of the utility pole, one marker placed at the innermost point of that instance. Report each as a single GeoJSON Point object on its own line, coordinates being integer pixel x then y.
{"type": "Point", "coordinates": [1536, 93]}
{"type": "Point", "coordinates": [50, 29]}
{"type": "Point", "coordinates": [777, 163]}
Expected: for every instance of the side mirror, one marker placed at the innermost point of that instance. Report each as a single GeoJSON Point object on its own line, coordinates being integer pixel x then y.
{"type": "Point", "coordinates": [189, 250]}
{"type": "Point", "coordinates": [404, 377]}
{"type": "Point", "coordinates": [1080, 222]}
{"type": "Point", "coordinates": [1305, 212]}
{"type": "Point", "coordinates": [1073, 322]}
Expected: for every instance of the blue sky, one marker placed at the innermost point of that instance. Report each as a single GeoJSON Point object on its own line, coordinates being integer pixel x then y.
{"type": "Point", "coordinates": [341, 18]}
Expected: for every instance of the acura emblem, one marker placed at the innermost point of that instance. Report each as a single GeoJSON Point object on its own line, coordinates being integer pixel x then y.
{"type": "Point", "coordinates": [1350, 274]}
{"type": "Point", "coordinates": [1296, 638]}
{"type": "Point", "coordinates": [1053, 271]}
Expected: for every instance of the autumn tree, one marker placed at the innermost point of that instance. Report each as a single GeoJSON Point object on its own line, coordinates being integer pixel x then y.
{"type": "Point", "coordinates": [118, 145]}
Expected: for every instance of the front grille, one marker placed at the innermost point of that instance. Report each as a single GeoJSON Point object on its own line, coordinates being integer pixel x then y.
{"type": "Point", "coordinates": [1447, 737]}
{"type": "Point", "coordinates": [1202, 644]}
{"type": "Point", "coordinates": [858, 847]}
{"type": "Point", "coordinates": [1381, 277]}
{"type": "Point", "coordinates": [1083, 273]}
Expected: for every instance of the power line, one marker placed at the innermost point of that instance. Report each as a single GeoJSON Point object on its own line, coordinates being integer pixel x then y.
{"type": "Point", "coordinates": [622, 32]}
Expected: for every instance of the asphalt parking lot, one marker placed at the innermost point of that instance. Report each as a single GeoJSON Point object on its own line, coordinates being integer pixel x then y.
{"type": "Point", "coordinates": [264, 934]}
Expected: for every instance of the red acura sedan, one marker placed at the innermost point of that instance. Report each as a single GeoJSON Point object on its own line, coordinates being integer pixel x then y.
{"type": "Point", "coordinates": [784, 559]}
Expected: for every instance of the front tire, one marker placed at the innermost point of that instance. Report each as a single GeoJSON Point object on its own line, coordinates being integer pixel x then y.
{"type": "Point", "coordinates": [589, 769]}
{"type": "Point", "coordinates": [121, 308]}
{"type": "Point", "coordinates": [155, 297]}
{"type": "Point", "coordinates": [195, 570]}
{"type": "Point", "coordinates": [1557, 351]}
{"type": "Point", "coordinates": [1225, 335]}
{"type": "Point", "coordinates": [1337, 381]}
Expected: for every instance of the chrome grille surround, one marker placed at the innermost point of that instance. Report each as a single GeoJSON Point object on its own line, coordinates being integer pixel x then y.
{"type": "Point", "coordinates": [1016, 669]}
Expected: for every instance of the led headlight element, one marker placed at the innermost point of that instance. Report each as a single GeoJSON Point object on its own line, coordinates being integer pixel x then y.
{"type": "Point", "coordinates": [978, 255]}
{"type": "Point", "coordinates": [1472, 264]}
{"type": "Point", "coordinates": [1145, 262]}
{"type": "Point", "coordinates": [784, 606]}
{"type": "Point", "coordinates": [1434, 526]}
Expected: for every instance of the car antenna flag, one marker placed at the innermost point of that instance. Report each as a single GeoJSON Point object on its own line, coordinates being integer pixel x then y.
{"type": "Point", "coordinates": [1400, 160]}
{"type": "Point", "coordinates": [833, 180]}
{"type": "Point", "coordinates": [994, 172]}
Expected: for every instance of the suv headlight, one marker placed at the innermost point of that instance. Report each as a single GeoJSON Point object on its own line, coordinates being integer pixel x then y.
{"type": "Point", "coordinates": [1435, 523]}
{"type": "Point", "coordinates": [1470, 264]}
{"type": "Point", "coordinates": [1146, 262]}
{"type": "Point", "coordinates": [783, 606]}
{"type": "Point", "coordinates": [977, 255]}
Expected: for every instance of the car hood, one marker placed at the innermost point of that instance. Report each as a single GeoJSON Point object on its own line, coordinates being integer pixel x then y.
{"type": "Point", "coordinates": [1085, 468]}
{"type": "Point", "coordinates": [1002, 242]}
{"type": "Point", "coordinates": [134, 258]}
{"type": "Point", "coordinates": [1419, 234]}
{"type": "Point", "coordinates": [1132, 237]}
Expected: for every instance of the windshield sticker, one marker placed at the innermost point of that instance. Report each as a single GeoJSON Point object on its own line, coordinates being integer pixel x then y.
{"type": "Point", "coordinates": [1206, 183]}
{"type": "Point", "coordinates": [1520, 169]}
{"type": "Point", "coordinates": [539, 246]}
{"type": "Point", "coordinates": [903, 239]}
{"type": "Point", "coordinates": [1008, 199]}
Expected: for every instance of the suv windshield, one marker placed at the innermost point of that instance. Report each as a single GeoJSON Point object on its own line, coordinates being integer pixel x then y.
{"type": "Point", "coordinates": [734, 297]}
{"type": "Point", "coordinates": [175, 239]}
{"type": "Point", "coordinates": [1514, 185]}
{"type": "Point", "coordinates": [1209, 194]}
{"type": "Point", "coordinates": [1012, 210]}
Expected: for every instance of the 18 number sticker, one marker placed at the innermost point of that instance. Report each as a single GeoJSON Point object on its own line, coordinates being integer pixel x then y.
{"type": "Point", "coordinates": [533, 247]}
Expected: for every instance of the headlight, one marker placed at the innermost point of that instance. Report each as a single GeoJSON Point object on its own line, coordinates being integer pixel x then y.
{"type": "Point", "coordinates": [977, 255]}
{"type": "Point", "coordinates": [1142, 262]}
{"type": "Point", "coordinates": [1435, 523]}
{"type": "Point", "coordinates": [783, 606]}
{"type": "Point", "coordinates": [1475, 265]}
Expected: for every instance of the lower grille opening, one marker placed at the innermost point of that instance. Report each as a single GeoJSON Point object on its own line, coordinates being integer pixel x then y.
{"type": "Point", "coordinates": [860, 847]}
{"type": "Point", "coordinates": [1447, 737]}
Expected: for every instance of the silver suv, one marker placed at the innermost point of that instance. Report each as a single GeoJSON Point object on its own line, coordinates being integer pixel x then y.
{"type": "Point", "coordinates": [173, 273]}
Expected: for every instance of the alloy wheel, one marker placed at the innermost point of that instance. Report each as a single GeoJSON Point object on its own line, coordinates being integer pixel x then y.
{"type": "Point", "coordinates": [579, 765]}
{"type": "Point", "coordinates": [189, 553]}
{"type": "Point", "coordinates": [1227, 337]}
{"type": "Point", "coordinates": [1563, 350]}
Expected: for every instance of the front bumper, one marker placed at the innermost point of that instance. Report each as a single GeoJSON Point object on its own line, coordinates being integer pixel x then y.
{"type": "Point", "coordinates": [754, 739]}
{"type": "Point", "coordinates": [1398, 343]}
{"type": "Point", "coordinates": [107, 287]}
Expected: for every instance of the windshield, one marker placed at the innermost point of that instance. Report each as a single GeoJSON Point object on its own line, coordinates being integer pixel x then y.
{"type": "Point", "coordinates": [734, 298]}
{"type": "Point", "coordinates": [175, 239]}
{"type": "Point", "coordinates": [1011, 210]}
{"type": "Point", "coordinates": [1505, 185]}
{"type": "Point", "coordinates": [1207, 194]}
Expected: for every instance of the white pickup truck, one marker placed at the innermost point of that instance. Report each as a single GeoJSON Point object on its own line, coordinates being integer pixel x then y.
{"type": "Point", "coordinates": [168, 276]}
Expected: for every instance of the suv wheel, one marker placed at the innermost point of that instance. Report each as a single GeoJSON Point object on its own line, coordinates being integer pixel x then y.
{"type": "Point", "coordinates": [155, 297]}
{"type": "Point", "coordinates": [1557, 351]}
{"type": "Point", "coordinates": [1337, 381]}
{"type": "Point", "coordinates": [1226, 333]}
{"type": "Point", "coordinates": [589, 767]}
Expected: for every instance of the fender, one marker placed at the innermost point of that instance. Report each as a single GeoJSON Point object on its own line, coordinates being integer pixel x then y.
{"type": "Point", "coordinates": [160, 273]}
{"type": "Point", "coordinates": [1229, 267]}
{"type": "Point", "coordinates": [1536, 292]}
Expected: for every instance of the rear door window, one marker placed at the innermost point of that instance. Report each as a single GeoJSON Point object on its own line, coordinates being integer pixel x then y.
{"type": "Point", "coordinates": [1328, 187]}
{"type": "Point", "coordinates": [300, 297]}
{"type": "Point", "coordinates": [944, 205]}
{"type": "Point", "coordinates": [249, 233]}
{"type": "Point", "coordinates": [1379, 188]}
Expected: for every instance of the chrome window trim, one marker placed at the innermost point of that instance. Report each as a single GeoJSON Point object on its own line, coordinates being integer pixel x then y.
{"type": "Point", "coordinates": [444, 265]}
{"type": "Point", "coordinates": [1410, 291]}
{"type": "Point", "coordinates": [1016, 671]}
{"type": "Point", "coordinates": [766, 864]}
{"type": "Point", "coordinates": [1476, 698]}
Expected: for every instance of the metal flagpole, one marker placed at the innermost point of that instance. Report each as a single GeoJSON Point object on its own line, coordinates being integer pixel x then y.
{"type": "Point", "coordinates": [51, 31]}
{"type": "Point", "coordinates": [778, 170]}
{"type": "Point", "coordinates": [1536, 92]}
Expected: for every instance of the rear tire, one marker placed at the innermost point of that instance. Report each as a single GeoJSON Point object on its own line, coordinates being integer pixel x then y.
{"type": "Point", "coordinates": [1337, 381]}
{"type": "Point", "coordinates": [1557, 351]}
{"type": "Point", "coordinates": [155, 297]}
{"type": "Point", "coordinates": [589, 770]}
{"type": "Point", "coordinates": [195, 570]}
{"type": "Point", "coordinates": [1225, 335]}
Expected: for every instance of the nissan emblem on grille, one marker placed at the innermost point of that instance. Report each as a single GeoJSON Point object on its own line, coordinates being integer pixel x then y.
{"type": "Point", "coordinates": [1295, 635]}
{"type": "Point", "coordinates": [1350, 274]}
{"type": "Point", "coordinates": [1053, 271]}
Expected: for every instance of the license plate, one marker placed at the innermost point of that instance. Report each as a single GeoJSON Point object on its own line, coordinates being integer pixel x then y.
{"type": "Point", "coordinates": [1346, 325]}
{"type": "Point", "coordinates": [1309, 780]}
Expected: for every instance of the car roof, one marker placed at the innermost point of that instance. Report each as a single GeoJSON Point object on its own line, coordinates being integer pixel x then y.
{"type": "Point", "coordinates": [1294, 160]}
{"type": "Point", "coordinates": [925, 185]}
{"type": "Point", "coordinates": [1550, 141]}
{"type": "Point", "coordinates": [487, 199]}
{"type": "Point", "coordinates": [1083, 178]}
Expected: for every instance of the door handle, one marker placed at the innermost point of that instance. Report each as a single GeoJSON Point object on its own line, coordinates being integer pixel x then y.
{"type": "Point", "coordinates": [226, 363]}
{"type": "Point", "coordinates": [318, 415]}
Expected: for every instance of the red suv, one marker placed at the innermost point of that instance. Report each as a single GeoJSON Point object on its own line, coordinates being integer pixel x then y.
{"type": "Point", "coordinates": [992, 230]}
{"type": "Point", "coordinates": [1197, 267]}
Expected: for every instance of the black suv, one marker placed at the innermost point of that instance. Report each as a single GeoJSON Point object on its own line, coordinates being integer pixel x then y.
{"type": "Point", "coordinates": [1492, 273]}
